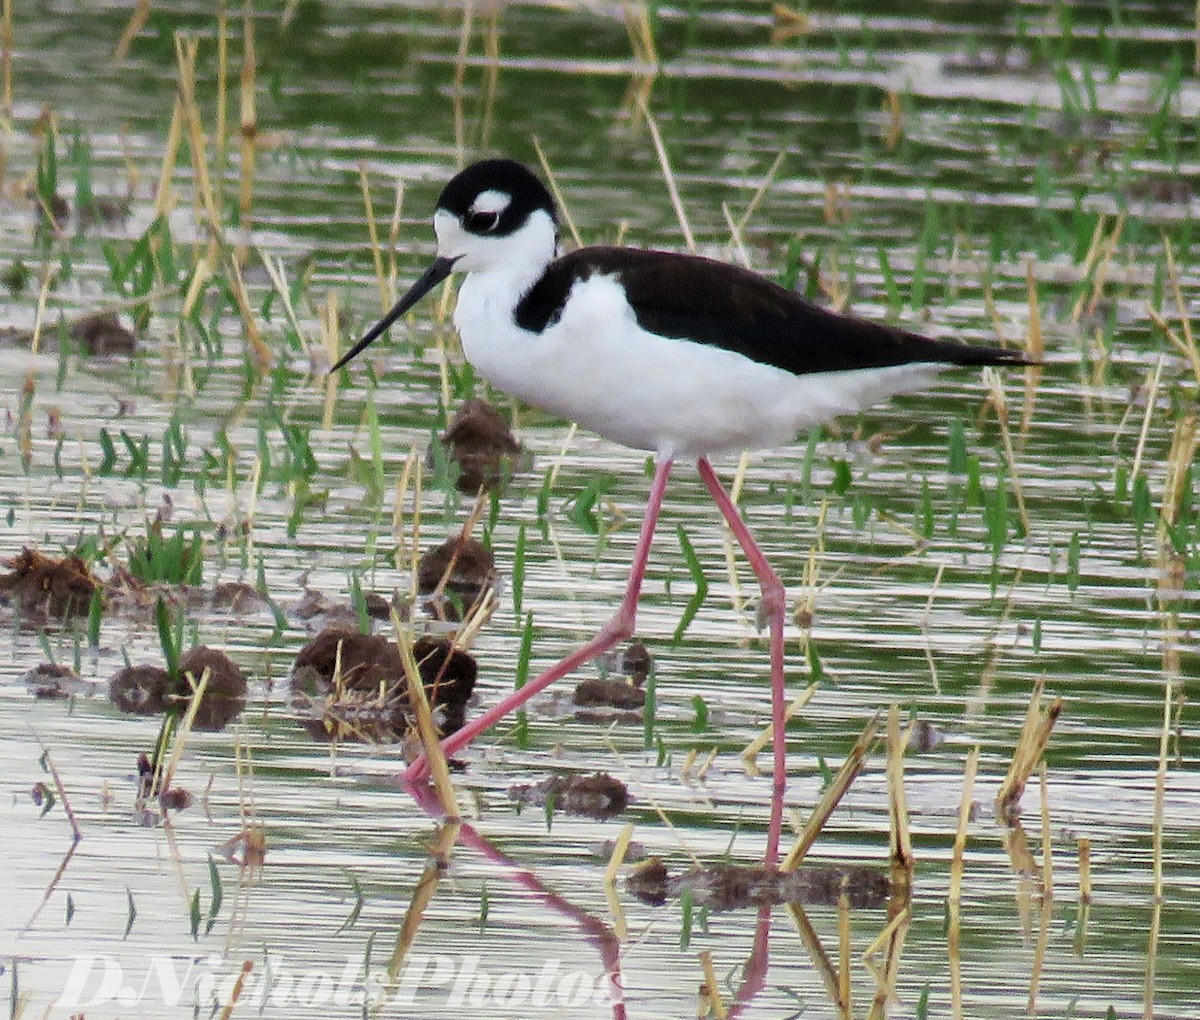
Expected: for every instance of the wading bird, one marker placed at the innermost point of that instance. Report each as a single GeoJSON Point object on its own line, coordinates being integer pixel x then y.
{"type": "Point", "coordinates": [680, 355]}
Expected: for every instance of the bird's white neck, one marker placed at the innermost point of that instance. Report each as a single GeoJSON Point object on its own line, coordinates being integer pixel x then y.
{"type": "Point", "coordinates": [499, 271]}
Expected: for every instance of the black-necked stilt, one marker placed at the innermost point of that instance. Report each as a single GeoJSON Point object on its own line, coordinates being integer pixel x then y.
{"type": "Point", "coordinates": [677, 354]}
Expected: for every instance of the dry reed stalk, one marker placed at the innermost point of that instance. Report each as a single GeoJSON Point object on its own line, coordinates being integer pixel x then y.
{"type": "Point", "coordinates": [24, 424]}
{"type": "Point", "coordinates": [736, 241]}
{"type": "Point", "coordinates": [1108, 251]}
{"type": "Point", "coordinates": [892, 936]}
{"type": "Point", "coordinates": [402, 484]}
{"type": "Point", "coordinates": [925, 621]}
{"type": "Point", "coordinates": [1185, 320]}
{"type": "Point", "coordinates": [787, 24]}
{"type": "Point", "coordinates": [137, 21]}
{"type": "Point", "coordinates": [414, 551]}
{"type": "Point", "coordinates": [259, 349]}
{"type": "Point", "coordinates": [711, 988]}
{"type": "Point", "coordinates": [833, 795]}
{"type": "Point", "coordinates": [1095, 254]}
{"type": "Point", "coordinates": [426, 888]}
{"type": "Point", "coordinates": [1039, 960]}
{"type": "Point", "coordinates": [1085, 870]}
{"type": "Point", "coordinates": [761, 191]}
{"type": "Point", "coordinates": [1001, 408]}
{"type": "Point", "coordinates": [491, 88]}
{"type": "Point", "coordinates": [893, 128]}
{"type": "Point", "coordinates": [1031, 744]}
{"type": "Point", "coordinates": [750, 755]}
{"type": "Point", "coordinates": [166, 771]}
{"type": "Point", "coordinates": [393, 240]}
{"type": "Point", "coordinates": [954, 899]}
{"type": "Point", "coordinates": [236, 992]}
{"type": "Point", "coordinates": [820, 959]}
{"type": "Point", "coordinates": [611, 872]}
{"type": "Point", "coordinates": [186, 51]}
{"type": "Point", "coordinates": [1047, 856]}
{"type": "Point", "coordinates": [249, 118]}
{"type": "Point", "coordinates": [1153, 379]}
{"type": "Point", "coordinates": [1180, 458]}
{"type": "Point", "coordinates": [48, 761]}
{"type": "Point", "coordinates": [664, 163]}
{"type": "Point", "coordinates": [1164, 327]}
{"type": "Point", "coordinates": [1035, 347]}
{"type": "Point", "coordinates": [328, 320]}
{"type": "Point", "coordinates": [438, 769]}
{"type": "Point", "coordinates": [460, 77]}
{"type": "Point", "coordinates": [473, 518]}
{"type": "Point", "coordinates": [277, 274]}
{"type": "Point", "coordinates": [845, 998]}
{"type": "Point", "coordinates": [1156, 836]}
{"type": "Point", "coordinates": [900, 841]}
{"type": "Point", "coordinates": [1039, 952]}
{"type": "Point", "coordinates": [1016, 845]}
{"type": "Point", "coordinates": [164, 198]}
{"type": "Point", "coordinates": [559, 201]}
{"type": "Point", "coordinates": [220, 139]}
{"type": "Point", "coordinates": [373, 233]}
{"type": "Point", "coordinates": [6, 54]}
{"type": "Point", "coordinates": [640, 33]}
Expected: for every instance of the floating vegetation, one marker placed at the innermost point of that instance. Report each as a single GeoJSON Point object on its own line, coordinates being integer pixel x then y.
{"type": "Point", "coordinates": [140, 690]}
{"type": "Point", "coordinates": [224, 695]}
{"type": "Point", "coordinates": [54, 681]}
{"type": "Point", "coordinates": [99, 334]}
{"type": "Point", "coordinates": [454, 576]}
{"type": "Point", "coordinates": [481, 444]}
{"type": "Point", "coordinates": [102, 334]}
{"type": "Point", "coordinates": [597, 796]}
{"type": "Point", "coordinates": [721, 887]}
{"type": "Point", "coordinates": [625, 694]}
{"type": "Point", "coordinates": [347, 685]}
{"type": "Point", "coordinates": [149, 690]}
{"type": "Point", "coordinates": [39, 584]}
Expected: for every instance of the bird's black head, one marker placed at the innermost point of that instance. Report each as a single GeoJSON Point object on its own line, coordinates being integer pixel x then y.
{"type": "Point", "coordinates": [494, 197]}
{"type": "Point", "coordinates": [495, 213]}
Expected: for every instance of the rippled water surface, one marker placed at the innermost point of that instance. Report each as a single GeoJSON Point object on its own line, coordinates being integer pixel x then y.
{"type": "Point", "coordinates": [985, 171]}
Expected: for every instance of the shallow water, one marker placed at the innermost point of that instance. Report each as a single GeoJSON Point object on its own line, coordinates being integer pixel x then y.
{"type": "Point", "coordinates": [1014, 131]}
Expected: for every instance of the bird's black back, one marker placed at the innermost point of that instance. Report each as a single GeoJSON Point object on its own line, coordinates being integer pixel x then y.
{"type": "Point", "coordinates": [693, 298]}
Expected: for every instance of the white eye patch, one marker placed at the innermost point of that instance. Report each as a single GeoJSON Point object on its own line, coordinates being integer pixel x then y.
{"type": "Point", "coordinates": [491, 202]}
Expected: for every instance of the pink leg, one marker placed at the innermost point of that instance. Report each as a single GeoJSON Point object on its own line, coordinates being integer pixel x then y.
{"type": "Point", "coordinates": [774, 602]}
{"type": "Point", "coordinates": [616, 630]}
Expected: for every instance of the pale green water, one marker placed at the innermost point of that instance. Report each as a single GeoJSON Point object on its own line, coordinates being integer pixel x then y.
{"type": "Point", "coordinates": [988, 174]}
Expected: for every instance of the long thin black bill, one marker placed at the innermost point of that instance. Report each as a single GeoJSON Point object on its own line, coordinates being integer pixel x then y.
{"type": "Point", "coordinates": [435, 274]}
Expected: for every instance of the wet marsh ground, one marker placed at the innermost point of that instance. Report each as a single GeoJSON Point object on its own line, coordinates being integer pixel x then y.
{"type": "Point", "coordinates": [1020, 175]}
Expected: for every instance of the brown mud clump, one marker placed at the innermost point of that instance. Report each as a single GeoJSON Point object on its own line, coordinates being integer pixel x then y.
{"type": "Point", "coordinates": [224, 697]}
{"type": "Point", "coordinates": [53, 681]}
{"type": "Point", "coordinates": [237, 597]}
{"type": "Point", "coordinates": [624, 696]}
{"type": "Point", "coordinates": [480, 442]}
{"type": "Point", "coordinates": [736, 887]}
{"type": "Point", "coordinates": [102, 333]}
{"type": "Point", "coordinates": [347, 685]}
{"type": "Point", "coordinates": [140, 690]}
{"type": "Point", "coordinates": [454, 576]}
{"type": "Point", "coordinates": [597, 796]}
{"type": "Point", "coordinates": [40, 584]}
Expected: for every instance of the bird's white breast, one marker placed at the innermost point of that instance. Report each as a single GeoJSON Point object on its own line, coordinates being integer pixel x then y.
{"type": "Point", "coordinates": [598, 367]}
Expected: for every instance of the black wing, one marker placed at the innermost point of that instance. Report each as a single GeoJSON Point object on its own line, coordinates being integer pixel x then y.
{"type": "Point", "coordinates": [694, 298]}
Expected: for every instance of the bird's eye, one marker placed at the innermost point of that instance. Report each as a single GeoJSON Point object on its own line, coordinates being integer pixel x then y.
{"type": "Point", "coordinates": [482, 222]}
